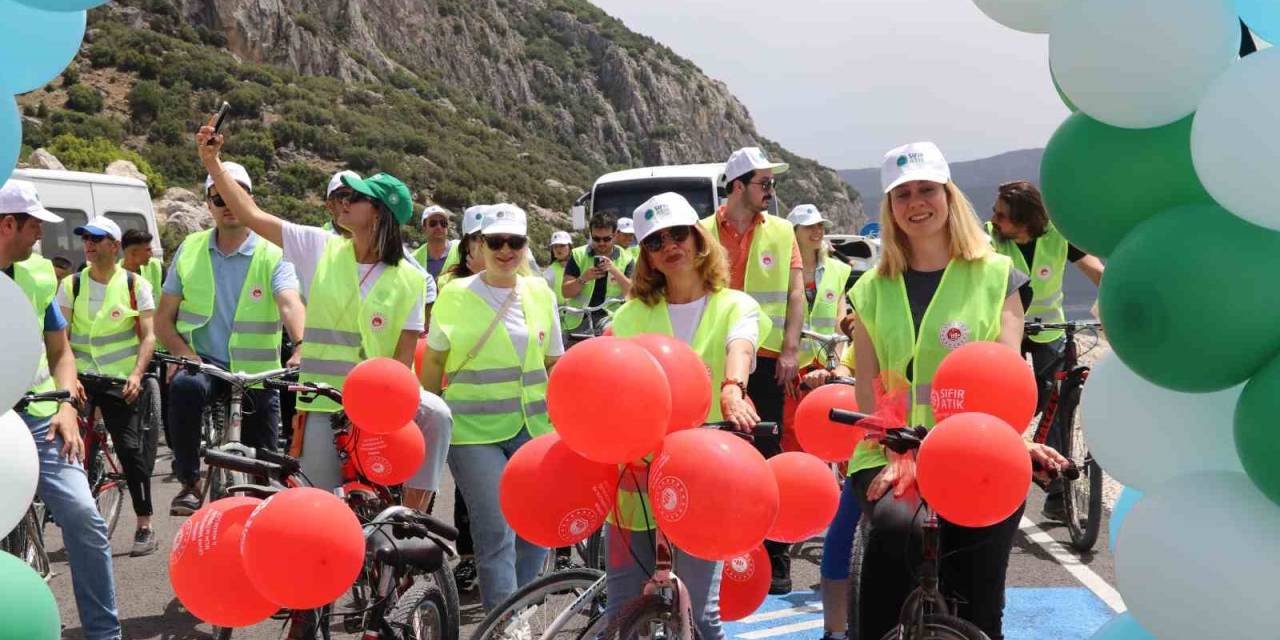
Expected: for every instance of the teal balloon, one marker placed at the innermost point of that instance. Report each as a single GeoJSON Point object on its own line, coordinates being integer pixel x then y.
{"type": "Point", "coordinates": [1256, 433]}
{"type": "Point", "coordinates": [27, 608]}
{"type": "Point", "coordinates": [1099, 181]}
{"type": "Point", "coordinates": [1123, 627]}
{"type": "Point", "coordinates": [10, 136]}
{"type": "Point", "coordinates": [1190, 299]}
{"type": "Point", "coordinates": [1262, 16]}
{"type": "Point", "coordinates": [62, 5]}
{"type": "Point", "coordinates": [37, 44]}
{"type": "Point", "coordinates": [1128, 498]}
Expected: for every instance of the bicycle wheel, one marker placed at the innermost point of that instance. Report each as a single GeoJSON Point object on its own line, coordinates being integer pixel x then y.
{"type": "Point", "coordinates": [861, 536]}
{"type": "Point", "coordinates": [26, 542]}
{"type": "Point", "coordinates": [647, 617]}
{"type": "Point", "coordinates": [222, 633]}
{"type": "Point", "coordinates": [428, 610]}
{"type": "Point", "coordinates": [579, 594]}
{"type": "Point", "coordinates": [939, 627]}
{"type": "Point", "coordinates": [106, 483]}
{"type": "Point", "coordinates": [1083, 496]}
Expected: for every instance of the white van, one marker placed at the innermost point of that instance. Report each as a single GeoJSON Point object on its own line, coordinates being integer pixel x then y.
{"type": "Point", "coordinates": [620, 192]}
{"type": "Point", "coordinates": [80, 197]}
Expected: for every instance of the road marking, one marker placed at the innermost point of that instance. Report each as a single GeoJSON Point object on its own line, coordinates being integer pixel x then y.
{"type": "Point", "coordinates": [782, 613]}
{"type": "Point", "coordinates": [781, 631]}
{"type": "Point", "coordinates": [1071, 562]}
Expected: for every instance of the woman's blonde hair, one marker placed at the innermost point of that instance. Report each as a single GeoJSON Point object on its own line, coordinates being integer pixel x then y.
{"type": "Point", "coordinates": [968, 240]}
{"type": "Point", "coordinates": [649, 285]}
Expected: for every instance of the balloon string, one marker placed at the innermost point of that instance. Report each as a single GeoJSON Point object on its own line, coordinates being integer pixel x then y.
{"type": "Point", "coordinates": [624, 534]}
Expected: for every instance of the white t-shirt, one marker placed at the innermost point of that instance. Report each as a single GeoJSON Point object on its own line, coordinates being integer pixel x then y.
{"type": "Point", "coordinates": [512, 321]}
{"type": "Point", "coordinates": [97, 292]}
{"type": "Point", "coordinates": [304, 245]}
{"type": "Point", "coordinates": [686, 317]}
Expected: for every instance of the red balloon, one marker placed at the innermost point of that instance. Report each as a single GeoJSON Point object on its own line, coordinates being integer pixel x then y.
{"type": "Point", "coordinates": [818, 435]}
{"type": "Point", "coordinates": [418, 352]}
{"type": "Point", "coordinates": [302, 548]}
{"type": "Point", "coordinates": [973, 469]}
{"type": "Point", "coordinates": [985, 377]}
{"type": "Point", "coordinates": [807, 496]}
{"type": "Point", "coordinates": [688, 377]}
{"type": "Point", "coordinates": [380, 395]}
{"type": "Point", "coordinates": [390, 458]}
{"type": "Point", "coordinates": [205, 568]}
{"type": "Point", "coordinates": [608, 331]}
{"type": "Point", "coordinates": [712, 493]}
{"type": "Point", "coordinates": [583, 496]}
{"type": "Point", "coordinates": [744, 584]}
{"type": "Point", "coordinates": [609, 400]}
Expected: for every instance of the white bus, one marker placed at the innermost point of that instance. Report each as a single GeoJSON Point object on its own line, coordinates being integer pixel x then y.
{"type": "Point", "coordinates": [81, 197]}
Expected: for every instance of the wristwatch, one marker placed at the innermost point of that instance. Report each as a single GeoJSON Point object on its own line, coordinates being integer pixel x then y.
{"type": "Point", "coordinates": [737, 383]}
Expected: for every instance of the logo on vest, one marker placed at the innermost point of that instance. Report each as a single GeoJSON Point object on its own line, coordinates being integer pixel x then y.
{"type": "Point", "coordinates": [954, 334]}
{"type": "Point", "coordinates": [831, 296]}
{"type": "Point", "coordinates": [672, 498]}
{"type": "Point", "coordinates": [116, 314]}
{"type": "Point", "coordinates": [1044, 272]}
{"type": "Point", "coordinates": [377, 321]}
{"type": "Point", "coordinates": [542, 337]}
{"type": "Point", "coordinates": [575, 524]}
{"type": "Point", "coordinates": [740, 569]}
{"type": "Point", "coordinates": [256, 294]}
{"type": "Point", "coordinates": [767, 260]}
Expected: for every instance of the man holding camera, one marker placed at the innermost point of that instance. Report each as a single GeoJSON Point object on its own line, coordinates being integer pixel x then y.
{"type": "Point", "coordinates": [596, 271]}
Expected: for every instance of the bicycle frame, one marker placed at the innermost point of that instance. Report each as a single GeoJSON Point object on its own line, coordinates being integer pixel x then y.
{"type": "Point", "coordinates": [1069, 376]}
{"type": "Point", "coordinates": [667, 585]}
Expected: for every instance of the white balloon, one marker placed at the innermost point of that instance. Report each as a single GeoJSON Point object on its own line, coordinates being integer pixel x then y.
{"type": "Point", "coordinates": [1144, 435]}
{"type": "Point", "coordinates": [1031, 16]}
{"type": "Point", "coordinates": [1198, 558]}
{"type": "Point", "coordinates": [1140, 64]}
{"type": "Point", "coordinates": [19, 470]}
{"type": "Point", "coordinates": [1235, 138]}
{"type": "Point", "coordinates": [21, 342]}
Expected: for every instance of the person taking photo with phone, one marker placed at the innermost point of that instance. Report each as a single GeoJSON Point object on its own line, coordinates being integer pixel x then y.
{"type": "Point", "coordinates": [596, 272]}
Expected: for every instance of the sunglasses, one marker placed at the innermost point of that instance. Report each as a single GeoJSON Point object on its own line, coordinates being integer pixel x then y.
{"type": "Point", "coordinates": [355, 197]}
{"type": "Point", "coordinates": [515, 242]}
{"type": "Point", "coordinates": [601, 239]}
{"type": "Point", "coordinates": [217, 201]}
{"type": "Point", "coordinates": [340, 194]}
{"type": "Point", "coordinates": [437, 223]}
{"type": "Point", "coordinates": [93, 239]}
{"type": "Point", "coordinates": [765, 185]}
{"type": "Point", "coordinates": [677, 235]}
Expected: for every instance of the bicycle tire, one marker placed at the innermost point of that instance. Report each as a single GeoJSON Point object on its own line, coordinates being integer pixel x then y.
{"type": "Point", "coordinates": [106, 486]}
{"type": "Point", "coordinates": [861, 535]}
{"type": "Point", "coordinates": [424, 611]}
{"type": "Point", "coordinates": [222, 633]}
{"type": "Point", "coordinates": [638, 618]}
{"type": "Point", "coordinates": [27, 544]}
{"type": "Point", "coordinates": [1083, 496]}
{"type": "Point", "coordinates": [562, 589]}
{"type": "Point", "coordinates": [940, 627]}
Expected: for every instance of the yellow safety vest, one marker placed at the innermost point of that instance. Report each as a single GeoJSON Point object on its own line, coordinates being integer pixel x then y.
{"type": "Point", "coordinates": [768, 273]}
{"type": "Point", "coordinates": [36, 277]}
{"type": "Point", "coordinates": [105, 342]}
{"type": "Point", "coordinates": [1046, 277]}
{"type": "Point", "coordinates": [153, 272]}
{"type": "Point", "coordinates": [822, 316]}
{"type": "Point", "coordinates": [557, 273]}
{"type": "Point", "coordinates": [585, 260]}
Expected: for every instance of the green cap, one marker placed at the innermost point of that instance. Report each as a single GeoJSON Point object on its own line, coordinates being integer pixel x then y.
{"type": "Point", "coordinates": [388, 190]}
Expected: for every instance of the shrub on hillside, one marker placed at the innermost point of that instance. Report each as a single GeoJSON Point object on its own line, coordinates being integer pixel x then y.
{"type": "Point", "coordinates": [94, 156]}
{"type": "Point", "coordinates": [83, 98]}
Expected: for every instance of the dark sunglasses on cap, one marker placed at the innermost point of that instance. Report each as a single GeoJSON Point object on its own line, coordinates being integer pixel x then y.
{"type": "Point", "coordinates": [341, 194]}
{"type": "Point", "coordinates": [437, 222]}
{"type": "Point", "coordinates": [515, 242]}
{"type": "Point", "coordinates": [601, 239]}
{"type": "Point", "coordinates": [92, 238]}
{"type": "Point", "coordinates": [217, 201]}
{"type": "Point", "coordinates": [654, 241]}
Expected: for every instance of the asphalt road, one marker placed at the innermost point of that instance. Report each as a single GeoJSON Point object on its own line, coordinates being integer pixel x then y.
{"type": "Point", "coordinates": [1045, 599]}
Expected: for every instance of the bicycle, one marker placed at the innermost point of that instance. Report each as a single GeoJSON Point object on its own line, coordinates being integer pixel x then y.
{"type": "Point", "coordinates": [405, 590]}
{"type": "Point", "coordinates": [106, 477]}
{"type": "Point", "coordinates": [828, 345]}
{"type": "Point", "coordinates": [223, 416]}
{"type": "Point", "coordinates": [26, 541]}
{"type": "Point", "coordinates": [539, 609]}
{"type": "Point", "coordinates": [590, 327]}
{"type": "Point", "coordinates": [1083, 496]}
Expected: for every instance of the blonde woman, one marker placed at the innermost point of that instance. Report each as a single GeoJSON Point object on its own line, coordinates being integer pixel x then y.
{"type": "Point", "coordinates": [939, 285]}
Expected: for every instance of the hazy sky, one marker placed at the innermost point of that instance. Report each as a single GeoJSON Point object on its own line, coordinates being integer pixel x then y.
{"type": "Point", "coordinates": [843, 81]}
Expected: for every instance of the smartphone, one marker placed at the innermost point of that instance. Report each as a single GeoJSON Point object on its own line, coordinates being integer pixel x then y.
{"type": "Point", "coordinates": [222, 115]}
{"type": "Point", "coordinates": [599, 260]}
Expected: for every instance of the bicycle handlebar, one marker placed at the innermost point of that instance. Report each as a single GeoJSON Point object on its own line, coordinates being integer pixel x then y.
{"type": "Point", "coordinates": [214, 371]}
{"type": "Point", "coordinates": [48, 396]}
{"type": "Point", "coordinates": [1035, 326]}
{"type": "Point", "coordinates": [306, 388]}
{"type": "Point", "coordinates": [588, 309]}
{"type": "Point", "coordinates": [99, 379]}
{"type": "Point", "coordinates": [252, 466]}
{"type": "Point", "coordinates": [827, 340]}
{"type": "Point", "coordinates": [760, 430]}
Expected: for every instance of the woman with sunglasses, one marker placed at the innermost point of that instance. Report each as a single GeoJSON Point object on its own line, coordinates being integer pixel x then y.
{"type": "Point", "coordinates": [364, 300]}
{"type": "Point", "coordinates": [681, 289]}
{"type": "Point", "coordinates": [939, 285]}
{"type": "Point", "coordinates": [495, 334]}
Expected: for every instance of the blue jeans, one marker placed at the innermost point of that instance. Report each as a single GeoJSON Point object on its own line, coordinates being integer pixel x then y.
{"type": "Point", "coordinates": [504, 561]}
{"type": "Point", "coordinates": [837, 547]}
{"type": "Point", "coordinates": [188, 395]}
{"type": "Point", "coordinates": [64, 487]}
{"type": "Point", "coordinates": [626, 578]}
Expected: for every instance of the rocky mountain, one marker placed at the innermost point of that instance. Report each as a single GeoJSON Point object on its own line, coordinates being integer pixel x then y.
{"type": "Point", "coordinates": [978, 178]}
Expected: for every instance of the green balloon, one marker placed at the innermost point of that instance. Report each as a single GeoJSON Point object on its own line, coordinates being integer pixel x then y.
{"type": "Point", "coordinates": [27, 608]}
{"type": "Point", "coordinates": [1100, 182]}
{"type": "Point", "coordinates": [1190, 301]}
{"type": "Point", "coordinates": [1257, 438]}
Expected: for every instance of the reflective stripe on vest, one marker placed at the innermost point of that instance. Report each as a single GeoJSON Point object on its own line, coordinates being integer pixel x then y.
{"type": "Point", "coordinates": [342, 329]}
{"type": "Point", "coordinates": [37, 279]}
{"type": "Point", "coordinates": [255, 331]}
{"type": "Point", "coordinates": [1046, 274]}
{"type": "Point", "coordinates": [965, 308]}
{"type": "Point", "coordinates": [107, 341]}
{"type": "Point", "coordinates": [585, 260]}
{"type": "Point", "coordinates": [822, 316]}
{"type": "Point", "coordinates": [495, 395]}
{"type": "Point", "coordinates": [724, 309]}
{"type": "Point", "coordinates": [768, 273]}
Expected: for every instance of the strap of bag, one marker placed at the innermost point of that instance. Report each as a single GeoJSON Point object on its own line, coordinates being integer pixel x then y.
{"type": "Point", "coordinates": [484, 337]}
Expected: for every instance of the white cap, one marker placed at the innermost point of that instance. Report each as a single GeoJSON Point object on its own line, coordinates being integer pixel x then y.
{"type": "Point", "coordinates": [101, 226]}
{"type": "Point", "coordinates": [805, 215]}
{"type": "Point", "coordinates": [662, 211]}
{"type": "Point", "coordinates": [915, 161]}
{"type": "Point", "coordinates": [335, 182]}
{"type": "Point", "coordinates": [750, 159]}
{"type": "Point", "coordinates": [237, 173]}
{"type": "Point", "coordinates": [472, 218]}
{"type": "Point", "coordinates": [625, 225]}
{"type": "Point", "coordinates": [435, 210]}
{"type": "Point", "coordinates": [560, 237]}
{"type": "Point", "coordinates": [504, 218]}
{"type": "Point", "coordinates": [20, 196]}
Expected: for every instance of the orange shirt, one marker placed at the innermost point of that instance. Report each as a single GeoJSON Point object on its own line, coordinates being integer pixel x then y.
{"type": "Point", "coordinates": [738, 246]}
